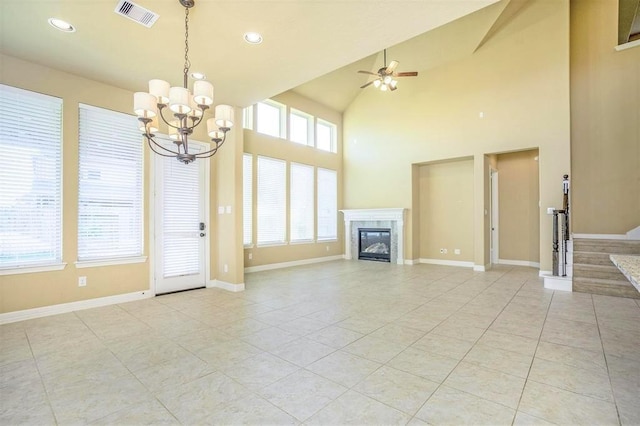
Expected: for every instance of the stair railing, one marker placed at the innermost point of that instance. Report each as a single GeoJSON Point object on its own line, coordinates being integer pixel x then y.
{"type": "Point", "coordinates": [561, 239]}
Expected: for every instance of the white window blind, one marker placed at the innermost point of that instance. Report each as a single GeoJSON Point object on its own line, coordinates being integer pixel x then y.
{"type": "Point", "coordinates": [110, 185]}
{"type": "Point", "coordinates": [301, 201]}
{"type": "Point", "coordinates": [272, 199]}
{"type": "Point", "coordinates": [327, 204]}
{"type": "Point", "coordinates": [247, 199]}
{"type": "Point", "coordinates": [30, 178]}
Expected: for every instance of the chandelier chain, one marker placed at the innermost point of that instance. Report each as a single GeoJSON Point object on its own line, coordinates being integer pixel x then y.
{"type": "Point", "coordinates": [187, 63]}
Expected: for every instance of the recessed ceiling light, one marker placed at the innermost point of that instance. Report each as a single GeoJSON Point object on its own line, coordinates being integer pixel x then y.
{"type": "Point", "coordinates": [198, 76]}
{"type": "Point", "coordinates": [252, 38]}
{"type": "Point", "coordinates": [61, 25]}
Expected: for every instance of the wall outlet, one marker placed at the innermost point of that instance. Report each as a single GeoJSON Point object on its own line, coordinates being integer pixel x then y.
{"type": "Point", "coordinates": [82, 281]}
{"type": "Point", "coordinates": [456, 251]}
{"type": "Point", "coordinates": [443, 250]}
{"type": "Point", "coordinates": [327, 248]}
{"type": "Point", "coordinates": [226, 268]}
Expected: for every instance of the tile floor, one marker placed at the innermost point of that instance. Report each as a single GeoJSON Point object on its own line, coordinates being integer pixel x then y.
{"type": "Point", "coordinates": [345, 342]}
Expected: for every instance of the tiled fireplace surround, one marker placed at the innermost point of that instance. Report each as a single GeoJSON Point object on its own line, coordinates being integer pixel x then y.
{"type": "Point", "coordinates": [374, 218]}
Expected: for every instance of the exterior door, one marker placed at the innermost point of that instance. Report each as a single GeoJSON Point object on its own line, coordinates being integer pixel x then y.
{"type": "Point", "coordinates": [181, 228]}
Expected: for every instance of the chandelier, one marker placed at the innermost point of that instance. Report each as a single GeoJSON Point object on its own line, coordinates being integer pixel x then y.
{"type": "Point", "coordinates": [188, 110]}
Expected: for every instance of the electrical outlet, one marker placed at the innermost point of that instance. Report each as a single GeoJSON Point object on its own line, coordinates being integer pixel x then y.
{"type": "Point", "coordinates": [456, 251]}
{"type": "Point", "coordinates": [226, 268]}
{"type": "Point", "coordinates": [82, 281]}
{"type": "Point", "coordinates": [444, 251]}
{"type": "Point", "coordinates": [327, 248]}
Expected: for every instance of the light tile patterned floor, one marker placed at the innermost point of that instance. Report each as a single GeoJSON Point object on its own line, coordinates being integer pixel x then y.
{"type": "Point", "coordinates": [345, 342]}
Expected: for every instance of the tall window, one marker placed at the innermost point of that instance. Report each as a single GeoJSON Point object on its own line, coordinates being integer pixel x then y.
{"type": "Point", "coordinates": [326, 136]}
{"type": "Point", "coordinates": [327, 204]}
{"type": "Point", "coordinates": [272, 201]}
{"type": "Point", "coordinates": [300, 127]}
{"type": "Point", "coordinates": [247, 199]}
{"type": "Point", "coordinates": [247, 117]}
{"type": "Point", "coordinates": [301, 195]}
{"type": "Point", "coordinates": [271, 118]}
{"type": "Point", "coordinates": [110, 185]}
{"type": "Point", "coordinates": [30, 179]}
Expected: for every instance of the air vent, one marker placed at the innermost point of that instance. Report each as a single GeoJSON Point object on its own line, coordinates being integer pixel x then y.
{"type": "Point", "coordinates": [136, 13]}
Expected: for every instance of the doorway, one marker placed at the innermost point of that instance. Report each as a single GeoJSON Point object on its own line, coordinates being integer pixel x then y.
{"type": "Point", "coordinates": [180, 223]}
{"type": "Point", "coordinates": [494, 222]}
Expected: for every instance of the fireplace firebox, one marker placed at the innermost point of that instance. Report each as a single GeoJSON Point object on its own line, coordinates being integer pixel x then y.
{"type": "Point", "coordinates": [374, 244]}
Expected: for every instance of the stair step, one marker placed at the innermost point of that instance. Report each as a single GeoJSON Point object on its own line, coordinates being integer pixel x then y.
{"type": "Point", "coordinates": [590, 258]}
{"type": "Point", "coordinates": [598, 271]}
{"type": "Point", "coordinates": [605, 287]}
{"type": "Point", "coordinates": [606, 246]}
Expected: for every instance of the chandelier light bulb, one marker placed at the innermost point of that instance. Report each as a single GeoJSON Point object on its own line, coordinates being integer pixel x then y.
{"type": "Point", "coordinates": [376, 83]}
{"type": "Point", "coordinates": [203, 92]}
{"type": "Point", "coordinates": [383, 87]}
{"type": "Point", "coordinates": [179, 100]}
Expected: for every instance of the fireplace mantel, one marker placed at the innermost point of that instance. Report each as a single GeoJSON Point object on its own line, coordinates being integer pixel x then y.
{"type": "Point", "coordinates": [394, 215]}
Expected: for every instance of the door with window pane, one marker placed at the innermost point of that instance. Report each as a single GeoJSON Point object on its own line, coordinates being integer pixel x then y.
{"type": "Point", "coordinates": [181, 243]}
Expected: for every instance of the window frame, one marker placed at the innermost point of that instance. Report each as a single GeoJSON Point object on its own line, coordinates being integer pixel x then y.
{"type": "Point", "coordinates": [282, 118]}
{"type": "Point", "coordinates": [50, 145]}
{"type": "Point", "coordinates": [138, 199]}
{"type": "Point", "coordinates": [309, 139]}
{"type": "Point", "coordinates": [282, 201]}
{"type": "Point", "coordinates": [333, 135]}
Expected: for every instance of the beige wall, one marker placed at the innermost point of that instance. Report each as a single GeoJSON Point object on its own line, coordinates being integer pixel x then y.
{"type": "Point", "coordinates": [605, 122]}
{"type": "Point", "coordinates": [446, 210]}
{"type": "Point", "coordinates": [519, 215]}
{"type": "Point", "coordinates": [264, 145]}
{"type": "Point", "coordinates": [519, 79]}
{"type": "Point", "coordinates": [25, 291]}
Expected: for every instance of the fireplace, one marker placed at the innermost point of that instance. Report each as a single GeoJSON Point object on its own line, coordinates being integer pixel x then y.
{"type": "Point", "coordinates": [374, 244]}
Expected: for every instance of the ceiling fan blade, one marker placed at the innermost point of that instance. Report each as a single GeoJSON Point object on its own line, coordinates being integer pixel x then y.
{"type": "Point", "coordinates": [368, 84]}
{"type": "Point", "coordinates": [392, 88]}
{"type": "Point", "coordinates": [406, 74]}
{"type": "Point", "coordinates": [367, 72]}
{"type": "Point", "coordinates": [392, 66]}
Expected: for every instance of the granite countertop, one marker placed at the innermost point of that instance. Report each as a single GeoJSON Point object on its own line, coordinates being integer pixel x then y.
{"type": "Point", "coordinates": [629, 266]}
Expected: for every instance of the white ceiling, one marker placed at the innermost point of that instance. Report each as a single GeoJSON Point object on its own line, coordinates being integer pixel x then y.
{"type": "Point", "coordinates": [315, 46]}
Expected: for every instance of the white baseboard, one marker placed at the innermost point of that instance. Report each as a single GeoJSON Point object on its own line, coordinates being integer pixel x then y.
{"type": "Point", "coordinates": [558, 283]}
{"type": "Point", "coordinates": [601, 236]}
{"type": "Point", "coordinates": [411, 262]}
{"type": "Point", "coordinates": [634, 234]}
{"type": "Point", "coordinates": [543, 273]}
{"type": "Point", "coordinates": [225, 285]}
{"type": "Point", "coordinates": [447, 262]}
{"type": "Point", "coordinates": [64, 308]}
{"type": "Point", "coordinates": [518, 263]}
{"type": "Point", "coordinates": [292, 263]}
{"type": "Point", "coordinates": [482, 268]}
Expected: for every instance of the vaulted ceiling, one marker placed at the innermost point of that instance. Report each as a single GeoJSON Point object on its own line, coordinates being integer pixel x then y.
{"type": "Point", "coordinates": [311, 46]}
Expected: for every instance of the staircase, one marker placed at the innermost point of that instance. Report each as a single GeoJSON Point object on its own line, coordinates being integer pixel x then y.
{"type": "Point", "coordinates": [593, 271]}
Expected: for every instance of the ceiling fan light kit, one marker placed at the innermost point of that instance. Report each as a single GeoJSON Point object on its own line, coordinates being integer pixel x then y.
{"type": "Point", "coordinates": [385, 77]}
{"type": "Point", "coordinates": [188, 110]}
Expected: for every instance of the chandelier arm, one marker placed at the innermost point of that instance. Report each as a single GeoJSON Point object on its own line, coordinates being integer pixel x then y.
{"type": "Point", "coordinates": [150, 140]}
{"type": "Point", "coordinates": [165, 120]}
{"type": "Point", "coordinates": [212, 151]}
{"type": "Point", "coordinates": [160, 153]}
{"type": "Point", "coordinates": [195, 123]}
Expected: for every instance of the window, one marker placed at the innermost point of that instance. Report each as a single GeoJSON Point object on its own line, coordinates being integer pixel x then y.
{"type": "Point", "coordinates": [110, 177]}
{"type": "Point", "coordinates": [247, 118]}
{"type": "Point", "coordinates": [327, 204]}
{"type": "Point", "coordinates": [326, 136]}
{"type": "Point", "coordinates": [271, 118]}
{"type": "Point", "coordinates": [300, 127]}
{"type": "Point", "coordinates": [301, 201]}
{"type": "Point", "coordinates": [272, 201]}
{"type": "Point", "coordinates": [30, 179]}
{"type": "Point", "coordinates": [247, 199]}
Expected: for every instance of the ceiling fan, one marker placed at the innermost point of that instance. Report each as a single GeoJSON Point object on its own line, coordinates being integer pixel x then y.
{"type": "Point", "coordinates": [385, 77]}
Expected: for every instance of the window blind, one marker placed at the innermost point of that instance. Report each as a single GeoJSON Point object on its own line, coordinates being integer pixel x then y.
{"type": "Point", "coordinates": [272, 199]}
{"type": "Point", "coordinates": [110, 185]}
{"type": "Point", "coordinates": [30, 178]}
{"type": "Point", "coordinates": [327, 204]}
{"type": "Point", "coordinates": [301, 201]}
{"type": "Point", "coordinates": [247, 199]}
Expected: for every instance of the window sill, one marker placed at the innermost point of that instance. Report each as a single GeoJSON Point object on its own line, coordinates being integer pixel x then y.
{"type": "Point", "coordinates": [302, 242]}
{"type": "Point", "coordinates": [284, 243]}
{"type": "Point", "coordinates": [248, 246]}
{"type": "Point", "coordinates": [327, 240]}
{"type": "Point", "coordinates": [33, 269]}
{"type": "Point", "coordinates": [109, 262]}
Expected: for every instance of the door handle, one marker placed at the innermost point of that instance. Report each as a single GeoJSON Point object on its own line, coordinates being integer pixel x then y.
{"type": "Point", "coordinates": [202, 234]}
